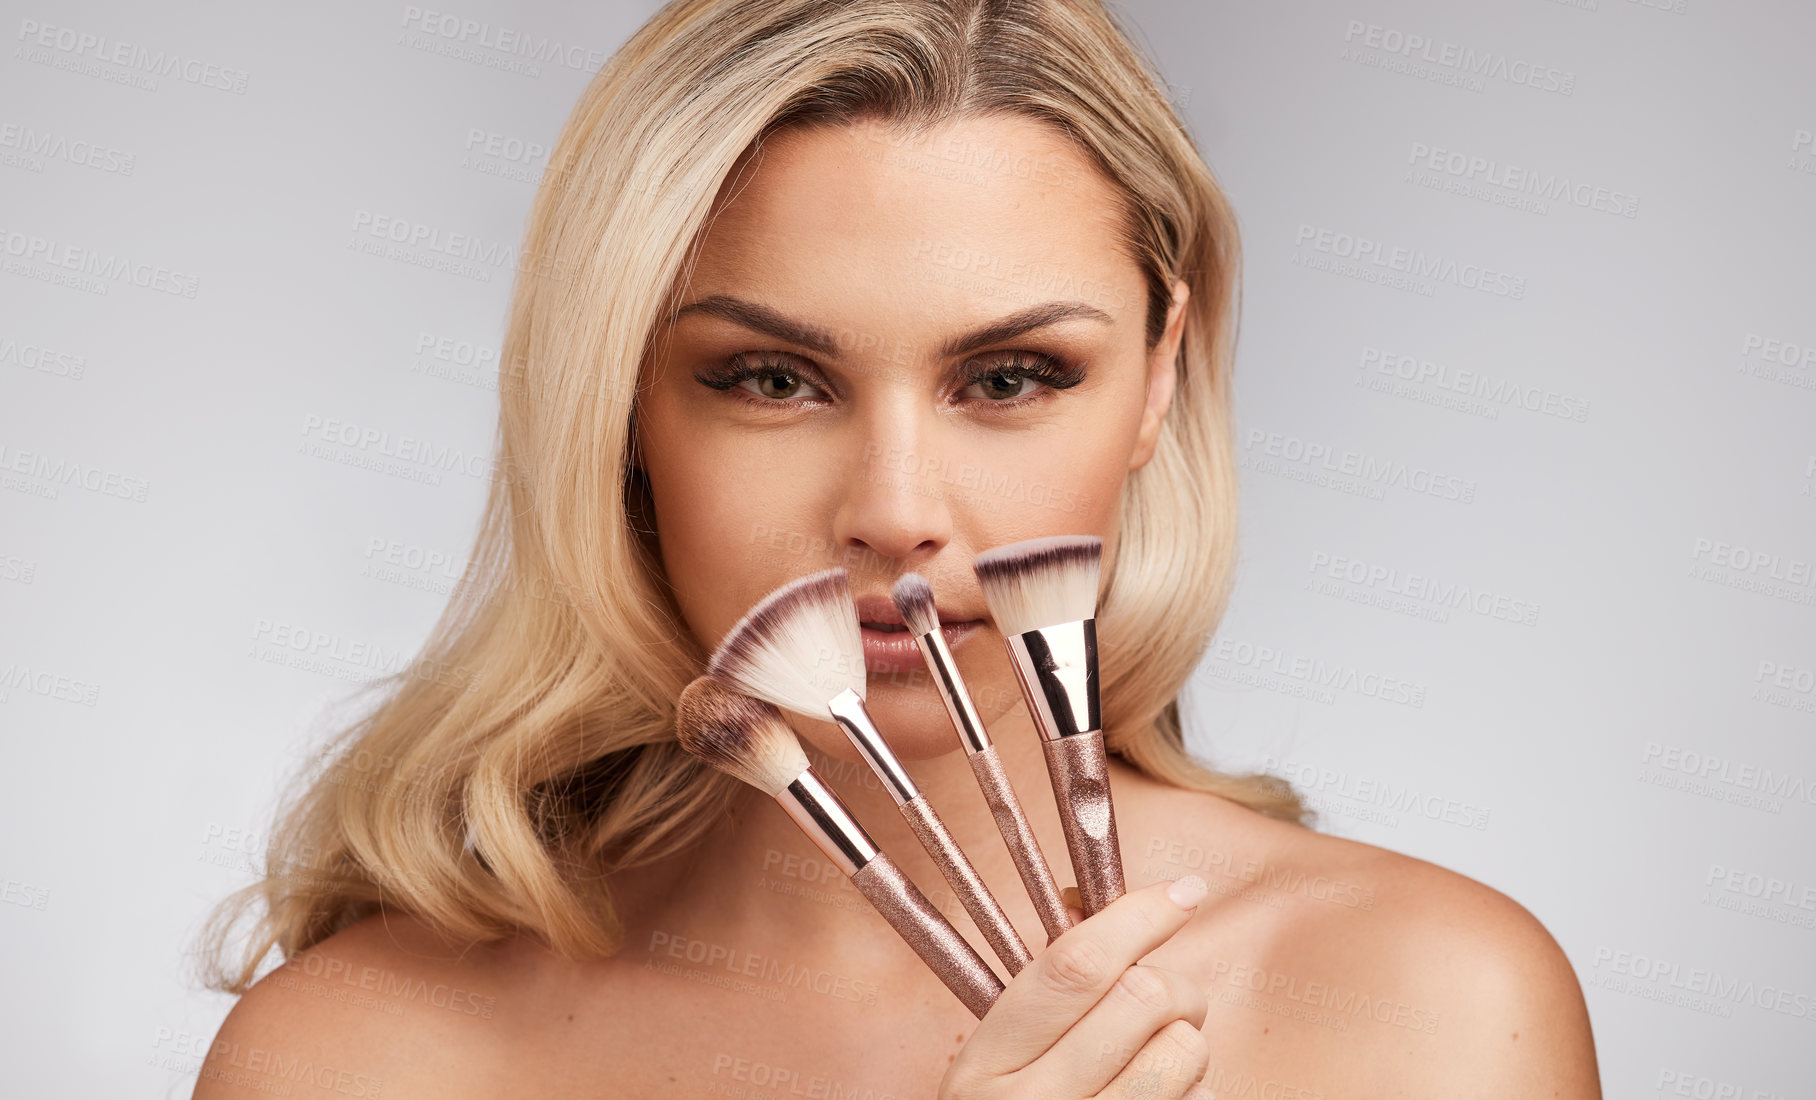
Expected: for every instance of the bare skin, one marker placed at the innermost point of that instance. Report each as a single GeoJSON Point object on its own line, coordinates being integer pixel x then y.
{"type": "Point", "coordinates": [1314, 967]}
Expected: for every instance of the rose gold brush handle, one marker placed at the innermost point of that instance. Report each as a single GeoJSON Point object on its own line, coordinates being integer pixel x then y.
{"type": "Point", "coordinates": [1019, 836]}
{"type": "Point", "coordinates": [965, 882]}
{"type": "Point", "coordinates": [1081, 786]}
{"type": "Point", "coordinates": [930, 935]}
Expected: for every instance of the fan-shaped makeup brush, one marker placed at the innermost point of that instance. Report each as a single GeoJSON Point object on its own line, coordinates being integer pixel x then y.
{"type": "Point", "coordinates": [1043, 595]}
{"type": "Point", "coordinates": [748, 738]}
{"type": "Point", "coordinates": [913, 597]}
{"type": "Point", "coordinates": [801, 648]}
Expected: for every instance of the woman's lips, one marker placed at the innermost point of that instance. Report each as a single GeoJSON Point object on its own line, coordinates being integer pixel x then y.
{"type": "Point", "coordinates": [895, 652]}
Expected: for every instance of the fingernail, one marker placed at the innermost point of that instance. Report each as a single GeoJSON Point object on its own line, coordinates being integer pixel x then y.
{"type": "Point", "coordinates": [1188, 891]}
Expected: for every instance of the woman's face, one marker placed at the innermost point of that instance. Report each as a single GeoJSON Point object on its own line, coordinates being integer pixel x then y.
{"type": "Point", "coordinates": [890, 357]}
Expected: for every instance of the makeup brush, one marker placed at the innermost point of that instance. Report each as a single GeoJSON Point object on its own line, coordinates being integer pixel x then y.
{"type": "Point", "coordinates": [801, 648]}
{"type": "Point", "coordinates": [748, 738]}
{"type": "Point", "coordinates": [913, 597]}
{"type": "Point", "coordinates": [1043, 595]}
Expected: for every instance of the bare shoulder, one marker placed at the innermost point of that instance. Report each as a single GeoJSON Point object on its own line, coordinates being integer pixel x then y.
{"type": "Point", "coordinates": [381, 1008]}
{"type": "Point", "coordinates": [1501, 997]}
{"type": "Point", "coordinates": [1393, 969]}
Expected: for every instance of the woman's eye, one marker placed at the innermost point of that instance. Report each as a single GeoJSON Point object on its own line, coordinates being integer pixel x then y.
{"type": "Point", "coordinates": [1002, 385]}
{"type": "Point", "coordinates": [774, 384]}
{"type": "Point", "coordinates": [766, 381]}
{"type": "Point", "coordinates": [1018, 379]}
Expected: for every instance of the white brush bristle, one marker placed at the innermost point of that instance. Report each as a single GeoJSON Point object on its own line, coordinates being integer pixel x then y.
{"type": "Point", "coordinates": [738, 735]}
{"type": "Point", "coordinates": [798, 647]}
{"type": "Point", "coordinates": [1040, 582]}
{"type": "Point", "coordinates": [913, 598]}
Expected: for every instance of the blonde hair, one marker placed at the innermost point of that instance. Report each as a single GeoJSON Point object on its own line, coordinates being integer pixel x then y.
{"type": "Point", "coordinates": [528, 752]}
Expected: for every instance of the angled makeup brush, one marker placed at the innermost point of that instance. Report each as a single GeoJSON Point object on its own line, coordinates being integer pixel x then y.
{"type": "Point", "coordinates": [913, 597]}
{"type": "Point", "coordinates": [801, 648]}
{"type": "Point", "coordinates": [748, 738]}
{"type": "Point", "coordinates": [1043, 595]}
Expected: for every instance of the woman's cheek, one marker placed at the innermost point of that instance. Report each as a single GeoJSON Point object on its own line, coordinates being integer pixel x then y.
{"type": "Point", "coordinates": [1066, 486]}
{"type": "Point", "coordinates": [742, 529]}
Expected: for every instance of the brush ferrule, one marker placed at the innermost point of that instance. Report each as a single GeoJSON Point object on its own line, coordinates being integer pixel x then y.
{"type": "Point", "coordinates": [1057, 668]}
{"type": "Point", "coordinates": [964, 715]}
{"type": "Point", "coordinates": [825, 818]}
{"type": "Point", "coordinates": [848, 711]}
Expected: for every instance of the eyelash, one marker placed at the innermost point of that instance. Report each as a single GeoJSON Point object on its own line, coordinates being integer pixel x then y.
{"type": "Point", "coordinates": [1045, 369]}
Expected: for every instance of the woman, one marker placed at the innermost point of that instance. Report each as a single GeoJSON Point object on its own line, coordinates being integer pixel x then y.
{"type": "Point", "coordinates": [878, 284]}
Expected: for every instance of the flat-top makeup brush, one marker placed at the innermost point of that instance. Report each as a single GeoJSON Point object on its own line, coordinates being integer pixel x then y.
{"type": "Point", "coordinates": [913, 597]}
{"type": "Point", "coordinates": [747, 738]}
{"type": "Point", "coordinates": [801, 648]}
{"type": "Point", "coordinates": [1043, 595]}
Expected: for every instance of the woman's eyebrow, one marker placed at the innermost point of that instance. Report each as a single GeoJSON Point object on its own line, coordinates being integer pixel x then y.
{"type": "Point", "coordinates": [761, 318]}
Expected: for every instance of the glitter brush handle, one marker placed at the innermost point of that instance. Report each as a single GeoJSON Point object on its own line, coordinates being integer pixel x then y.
{"type": "Point", "coordinates": [930, 935]}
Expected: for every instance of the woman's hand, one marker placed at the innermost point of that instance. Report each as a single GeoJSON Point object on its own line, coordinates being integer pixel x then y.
{"type": "Point", "coordinates": [1084, 1020]}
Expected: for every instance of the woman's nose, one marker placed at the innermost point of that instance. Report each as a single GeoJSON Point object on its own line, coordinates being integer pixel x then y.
{"type": "Point", "coordinates": [896, 499]}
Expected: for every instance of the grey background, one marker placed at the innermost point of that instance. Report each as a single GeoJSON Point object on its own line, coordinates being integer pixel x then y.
{"type": "Point", "coordinates": [1619, 716]}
